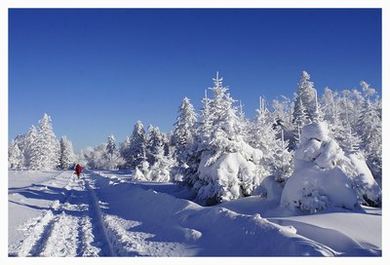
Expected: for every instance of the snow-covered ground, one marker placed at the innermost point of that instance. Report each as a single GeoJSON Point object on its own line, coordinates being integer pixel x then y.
{"type": "Point", "coordinates": [106, 214]}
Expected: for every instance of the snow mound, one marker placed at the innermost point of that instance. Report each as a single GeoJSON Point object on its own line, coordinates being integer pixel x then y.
{"type": "Point", "coordinates": [313, 189]}
{"type": "Point", "coordinates": [318, 181]}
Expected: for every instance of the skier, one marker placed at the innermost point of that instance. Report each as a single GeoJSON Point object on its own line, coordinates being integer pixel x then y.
{"type": "Point", "coordinates": [78, 169]}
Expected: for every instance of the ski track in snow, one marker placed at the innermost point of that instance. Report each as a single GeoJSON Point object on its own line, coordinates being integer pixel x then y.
{"type": "Point", "coordinates": [71, 227]}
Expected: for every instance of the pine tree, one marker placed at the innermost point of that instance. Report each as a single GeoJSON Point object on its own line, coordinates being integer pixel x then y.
{"type": "Point", "coordinates": [226, 127]}
{"type": "Point", "coordinates": [205, 124]}
{"type": "Point", "coordinates": [370, 128]}
{"type": "Point", "coordinates": [331, 107]}
{"type": "Point", "coordinates": [219, 142]}
{"type": "Point", "coordinates": [263, 137]}
{"type": "Point", "coordinates": [67, 156]}
{"type": "Point", "coordinates": [155, 145]}
{"type": "Point", "coordinates": [124, 151]}
{"type": "Point", "coordinates": [159, 162]}
{"type": "Point", "coordinates": [305, 99]}
{"type": "Point", "coordinates": [276, 160]}
{"type": "Point", "coordinates": [28, 145]}
{"type": "Point", "coordinates": [350, 142]}
{"type": "Point", "coordinates": [184, 131]}
{"type": "Point", "coordinates": [318, 115]}
{"type": "Point", "coordinates": [15, 156]}
{"type": "Point", "coordinates": [45, 148]}
{"type": "Point", "coordinates": [112, 154]}
{"type": "Point", "coordinates": [136, 154]}
{"type": "Point", "coordinates": [283, 164]}
{"type": "Point", "coordinates": [300, 120]}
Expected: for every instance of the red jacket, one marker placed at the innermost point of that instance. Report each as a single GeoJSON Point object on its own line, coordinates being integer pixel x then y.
{"type": "Point", "coordinates": [78, 169]}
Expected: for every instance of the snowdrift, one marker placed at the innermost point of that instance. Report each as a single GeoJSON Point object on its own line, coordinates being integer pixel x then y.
{"type": "Point", "coordinates": [201, 231]}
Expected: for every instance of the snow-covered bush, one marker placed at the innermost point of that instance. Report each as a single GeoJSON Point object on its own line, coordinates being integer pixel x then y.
{"type": "Point", "coordinates": [318, 181]}
{"type": "Point", "coordinates": [362, 180]}
{"type": "Point", "coordinates": [324, 176]}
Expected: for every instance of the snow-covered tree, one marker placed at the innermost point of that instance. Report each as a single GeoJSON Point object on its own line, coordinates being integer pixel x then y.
{"type": "Point", "coordinates": [276, 160]}
{"type": "Point", "coordinates": [183, 137]}
{"type": "Point", "coordinates": [223, 165]}
{"type": "Point", "coordinates": [370, 129]}
{"type": "Point", "coordinates": [160, 164]}
{"type": "Point", "coordinates": [300, 120]}
{"type": "Point", "coordinates": [113, 158]}
{"type": "Point", "coordinates": [136, 153]}
{"type": "Point", "coordinates": [45, 149]}
{"type": "Point", "coordinates": [154, 144]}
{"type": "Point", "coordinates": [95, 157]}
{"type": "Point", "coordinates": [67, 156]}
{"type": "Point", "coordinates": [124, 151]}
{"type": "Point", "coordinates": [26, 145]}
{"type": "Point", "coordinates": [305, 98]}
{"type": "Point", "coordinates": [15, 156]}
{"type": "Point", "coordinates": [184, 130]}
{"type": "Point", "coordinates": [137, 148]}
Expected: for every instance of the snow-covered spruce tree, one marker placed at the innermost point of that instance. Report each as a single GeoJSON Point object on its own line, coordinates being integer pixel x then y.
{"type": "Point", "coordinates": [112, 156]}
{"type": "Point", "coordinates": [183, 136]}
{"type": "Point", "coordinates": [124, 152]}
{"type": "Point", "coordinates": [331, 107]}
{"type": "Point", "coordinates": [27, 145]}
{"type": "Point", "coordinates": [370, 130]}
{"type": "Point", "coordinates": [67, 156]}
{"type": "Point", "coordinates": [45, 149]}
{"type": "Point", "coordinates": [282, 116]}
{"type": "Point", "coordinates": [305, 98]}
{"type": "Point", "coordinates": [159, 163]}
{"type": "Point", "coordinates": [136, 154]}
{"type": "Point", "coordinates": [276, 160]}
{"type": "Point", "coordinates": [283, 163]}
{"type": "Point", "coordinates": [227, 164]}
{"type": "Point", "coordinates": [15, 156]}
{"type": "Point", "coordinates": [199, 144]}
{"type": "Point", "coordinates": [300, 120]}
{"type": "Point", "coordinates": [154, 142]}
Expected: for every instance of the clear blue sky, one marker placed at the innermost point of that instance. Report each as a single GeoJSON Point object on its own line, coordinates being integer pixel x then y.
{"type": "Point", "coordinates": [98, 71]}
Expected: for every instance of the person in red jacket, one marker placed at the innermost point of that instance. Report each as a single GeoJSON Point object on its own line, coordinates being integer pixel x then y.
{"type": "Point", "coordinates": [78, 169]}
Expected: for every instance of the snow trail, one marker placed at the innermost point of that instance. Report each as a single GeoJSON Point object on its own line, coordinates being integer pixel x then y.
{"type": "Point", "coordinates": [71, 227]}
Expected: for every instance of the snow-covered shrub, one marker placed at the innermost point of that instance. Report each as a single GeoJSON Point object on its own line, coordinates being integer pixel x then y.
{"type": "Point", "coordinates": [318, 181]}
{"type": "Point", "coordinates": [362, 180]}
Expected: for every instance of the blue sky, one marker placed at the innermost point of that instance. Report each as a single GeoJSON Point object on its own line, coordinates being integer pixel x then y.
{"type": "Point", "coordinates": [97, 72]}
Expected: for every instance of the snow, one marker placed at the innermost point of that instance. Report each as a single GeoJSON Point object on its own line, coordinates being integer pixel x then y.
{"type": "Point", "coordinates": [108, 214]}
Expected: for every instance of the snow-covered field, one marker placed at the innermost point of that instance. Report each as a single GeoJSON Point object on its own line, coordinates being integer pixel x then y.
{"type": "Point", "coordinates": [106, 214]}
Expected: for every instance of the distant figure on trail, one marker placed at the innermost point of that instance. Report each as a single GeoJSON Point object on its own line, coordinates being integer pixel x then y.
{"type": "Point", "coordinates": [78, 169]}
